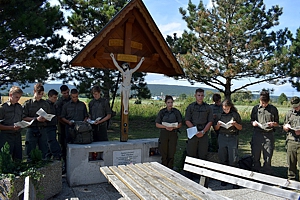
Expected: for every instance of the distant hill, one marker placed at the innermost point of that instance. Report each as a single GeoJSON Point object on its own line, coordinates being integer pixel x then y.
{"type": "Point", "coordinates": [174, 90]}
{"type": "Point", "coordinates": [47, 87]}
{"type": "Point", "coordinates": [155, 89]}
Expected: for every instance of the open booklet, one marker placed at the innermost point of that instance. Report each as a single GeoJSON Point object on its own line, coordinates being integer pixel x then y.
{"type": "Point", "coordinates": [23, 123]}
{"type": "Point", "coordinates": [263, 126]}
{"type": "Point", "coordinates": [226, 125]}
{"type": "Point", "coordinates": [297, 128]}
{"type": "Point", "coordinates": [42, 113]}
{"type": "Point", "coordinates": [191, 132]}
{"type": "Point", "coordinates": [93, 121]}
{"type": "Point", "coordinates": [175, 124]}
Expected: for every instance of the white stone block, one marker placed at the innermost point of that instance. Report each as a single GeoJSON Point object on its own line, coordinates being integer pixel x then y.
{"type": "Point", "coordinates": [83, 169]}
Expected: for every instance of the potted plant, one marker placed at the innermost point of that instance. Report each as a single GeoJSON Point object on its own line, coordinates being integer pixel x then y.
{"type": "Point", "coordinates": [45, 174]}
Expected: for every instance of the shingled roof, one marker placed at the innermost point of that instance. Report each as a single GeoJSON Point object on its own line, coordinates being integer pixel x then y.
{"type": "Point", "coordinates": [130, 35]}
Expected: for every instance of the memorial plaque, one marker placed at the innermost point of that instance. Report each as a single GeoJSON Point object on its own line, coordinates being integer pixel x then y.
{"type": "Point", "coordinates": [115, 42]}
{"type": "Point", "coordinates": [126, 57]}
{"type": "Point", "coordinates": [127, 157]}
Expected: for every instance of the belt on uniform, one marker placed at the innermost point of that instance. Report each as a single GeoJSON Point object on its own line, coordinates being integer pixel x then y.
{"type": "Point", "coordinates": [37, 127]}
{"type": "Point", "coordinates": [267, 131]}
{"type": "Point", "coordinates": [229, 135]}
{"type": "Point", "coordinates": [295, 139]}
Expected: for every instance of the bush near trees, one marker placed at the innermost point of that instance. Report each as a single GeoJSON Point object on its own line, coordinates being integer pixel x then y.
{"type": "Point", "coordinates": [182, 97]}
{"type": "Point", "coordinates": [282, 99]}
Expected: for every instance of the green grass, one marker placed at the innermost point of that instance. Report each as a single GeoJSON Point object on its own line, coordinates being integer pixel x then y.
{"type": "Point", "coordinates": [142, 125]}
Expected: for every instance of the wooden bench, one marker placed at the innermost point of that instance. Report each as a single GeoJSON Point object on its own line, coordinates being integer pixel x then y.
{"type": "Point", "coordinates": [154, 181]}
{"type": "Point", "coordinates": [261, 182]}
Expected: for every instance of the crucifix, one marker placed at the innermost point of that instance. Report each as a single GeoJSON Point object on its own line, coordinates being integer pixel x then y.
{"type": "Point", "coordinates": [135, 41]}
{"type": "Point", "coordinates": [126, 72]}
{"type": "Point", "coordinates": [126, 81]}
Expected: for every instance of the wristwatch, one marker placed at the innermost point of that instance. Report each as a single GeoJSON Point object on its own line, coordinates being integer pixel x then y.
{"type": "Point", "coordinates": [202, 132]}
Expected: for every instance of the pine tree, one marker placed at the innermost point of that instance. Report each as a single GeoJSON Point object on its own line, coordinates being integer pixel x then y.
{"type": "Point", "coordinates": [295, 72]}
{"type": "Point", "coordinates": [28, 41]}
{"type": "Point", "coordinates": [233, 40]}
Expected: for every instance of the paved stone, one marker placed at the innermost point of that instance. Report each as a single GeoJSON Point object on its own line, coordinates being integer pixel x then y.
{"type": "Point", "coordinates": [105, 191]}
{"type": "Point", "coordinates": [102, 191]}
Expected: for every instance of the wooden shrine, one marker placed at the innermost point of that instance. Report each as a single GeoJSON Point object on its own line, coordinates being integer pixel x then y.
{"type": "Point", "coordinates": [130, 35]}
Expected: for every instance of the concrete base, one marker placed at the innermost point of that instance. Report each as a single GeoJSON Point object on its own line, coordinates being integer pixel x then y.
{"type": "Point", "coordinates": [48, 186]}
{"type": "Point", "coordinates": [84, 160]}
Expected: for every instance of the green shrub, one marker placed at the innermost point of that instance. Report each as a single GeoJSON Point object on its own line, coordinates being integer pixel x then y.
{"type": "Point", "coordinates": [11, 168]}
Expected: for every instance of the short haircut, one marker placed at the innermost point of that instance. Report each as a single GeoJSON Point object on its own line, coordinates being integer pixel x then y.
{"type": "Point", "coordinates": [63, 88]}
{"type": "Point", "coordinates": [264, 96]}
{"type": "Point", "coordinates": [199, 90]}
{"type": "Point", "coordinates": [96, 88]}
{"type": "Point", "coordinates": [52, 92]}
{"type": "Point", "coordinates": [15, 90]}
{"type": "Point", "coordinates": [74, 91]}
{"type": "Point", "coordinates": [216, 97]}
{"type": "Point", "coordinates": [38, 88]}
{"type": "Point", "coordinates": [168, 97]}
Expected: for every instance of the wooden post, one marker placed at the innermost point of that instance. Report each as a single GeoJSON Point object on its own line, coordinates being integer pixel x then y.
{"type": "Point", "coordinates": [127, 50]}
{"type": "Point", "coordinates": [124, 122]}
{"type": "Point", "coordinates": [29, 190]}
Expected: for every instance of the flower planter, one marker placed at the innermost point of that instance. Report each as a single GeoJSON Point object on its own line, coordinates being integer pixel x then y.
{"type": "Point", "coordinates": [48, 186]}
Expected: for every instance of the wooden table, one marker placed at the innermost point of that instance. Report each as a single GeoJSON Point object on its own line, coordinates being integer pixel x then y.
{"type": "Point", "coordinates": [154, 181]}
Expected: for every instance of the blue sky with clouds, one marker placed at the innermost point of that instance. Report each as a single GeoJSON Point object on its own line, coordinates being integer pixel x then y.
{"type": "Point", "coordinates": [168, 19]}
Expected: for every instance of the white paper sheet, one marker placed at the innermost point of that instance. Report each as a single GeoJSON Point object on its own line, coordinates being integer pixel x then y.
{"type": "Point", "coordinates": [227, 125]}
{"type": "Point", "coordinates": [23, 123]}
{"type": "Point", "coordinates": [93, 121]}
{"type": "Point", "coordinates": [42, 113]}
{"type": "Point", "coordinates": [191, 132]}
{"type": "Point", "coordinates": [175, 124]}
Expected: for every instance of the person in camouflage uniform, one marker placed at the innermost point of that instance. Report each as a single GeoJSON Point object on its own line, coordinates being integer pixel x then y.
{"type": "Point", "coordinates": [292, 120]}
{"type": "Point", "coordinates": [264, 119]}
{"type": "Point", "coordinates": [10, 113]}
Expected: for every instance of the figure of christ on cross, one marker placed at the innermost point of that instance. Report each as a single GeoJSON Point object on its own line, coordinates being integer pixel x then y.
{"type": "Point", "coordinates": [126, 79]}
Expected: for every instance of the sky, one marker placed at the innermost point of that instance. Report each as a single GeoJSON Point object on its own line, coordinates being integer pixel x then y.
{"type": "Point", "coordinates": [166, 15]}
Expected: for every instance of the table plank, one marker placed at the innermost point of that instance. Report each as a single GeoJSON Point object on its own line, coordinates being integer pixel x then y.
{"type": "Point", "coordinates": [188, 184]}
{"type": "Point", "coordinates": [153, 181]}
{"type": "Point", "coordinates": [118, 184]}
{"type": "Point", "coordinates": [176, 185]}
{"type": "Point", "coordinates": [131, 183]}
{"type": "Point", "coordinates": [143, 181]}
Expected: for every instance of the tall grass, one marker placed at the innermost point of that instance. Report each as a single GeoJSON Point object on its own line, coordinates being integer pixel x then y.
{"type": "Point", "coordinates": [142, 125]}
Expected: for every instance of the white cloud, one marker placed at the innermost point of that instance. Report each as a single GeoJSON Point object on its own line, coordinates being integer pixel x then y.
{"type": "Point", "coordinates": [169, 29]}
{"type": "Point", "coordinates": [210, 4]}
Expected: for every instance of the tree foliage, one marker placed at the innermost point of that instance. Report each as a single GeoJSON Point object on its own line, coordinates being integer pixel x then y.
{"type": "Point", "coordinates": [85, 21]}
{"type": "Point", "coordinates": [28, 41]}
{"type": "Point", "coordinates": [242, 96]}
{"type": "Point", "coordinates": [232, 40]}
{"type": "Point", "coordinates": [295, 73]}
{"type": "Point", "coordinates": [282, 98]}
